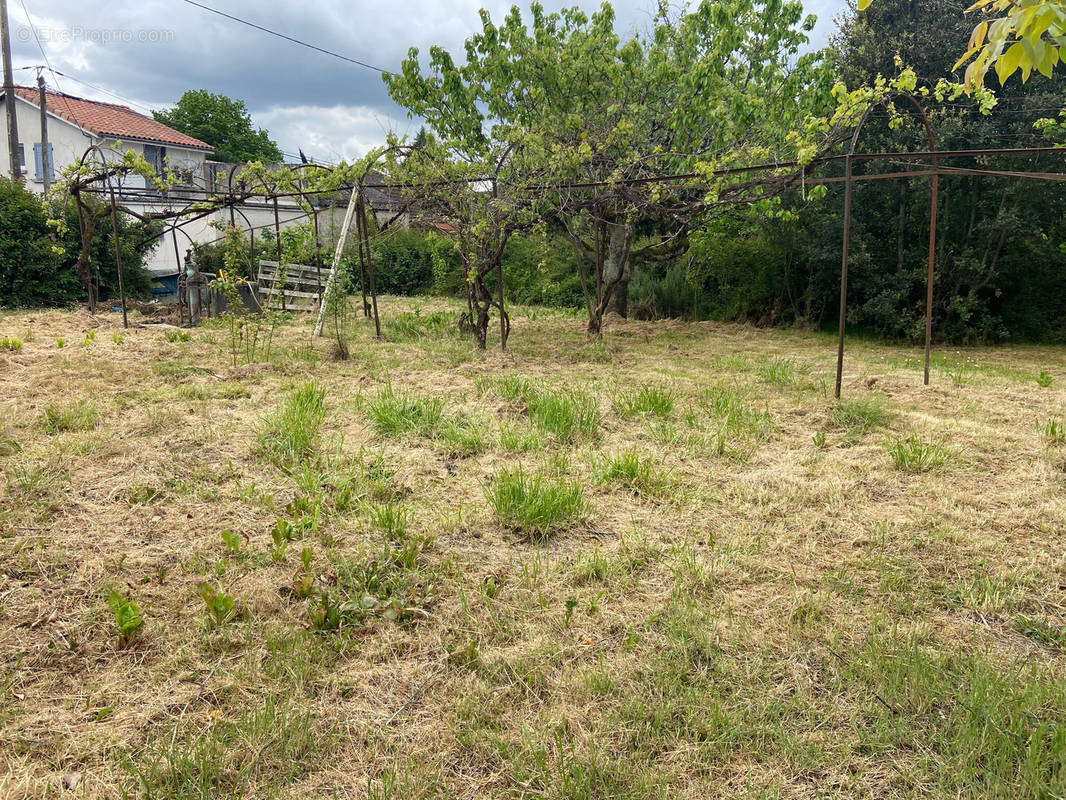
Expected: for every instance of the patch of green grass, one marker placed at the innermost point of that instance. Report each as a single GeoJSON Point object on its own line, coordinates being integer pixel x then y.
{"type": "Point", "coordinates": [393, 413]}
{"type": "Point", "coordinates": [232, 391]}
{"type": "Point", "coordinates": [11, 343]}
{"type": "Point", "coordinates": [1044, 378]}
{"type": "Point", "coordinates": [986, 593]}
{"type": "Point", "coordinates": [261, 750]}
{"type": "Point", "coordinates": [535, 504]}
{"type": "Point", "coordinates": [986, 727]}
{"type": "Point", "coordinates": [778, 372]}
{"type": "Point", "coordinates": [632, 471]}
{"type": "Point", "coordinates": [289, 436]}
{"type": "Point", "coordinates": [461, 437]}
{"type": "Point", "coordinates": [1054, 431]}
{"type": "Point", "coordinates": [519, 439]}
{"type": "Point", "coordinates": [860, 416]}
{"type": "Point", "coordinates": [515, 387]}
{"type": "Point", "coordinates": [80, 416]}
{"type": "Point", "coordinates": [413, 326]}
{"type": "Point", "coordinates": [1039, 631]}
{"type": "Point", "coordinates": [730, 411]}
{"type": "Point", "coordinates": [569, 415]}
{"type": "Point", "coordinates": [914, 454]}
{"type": "Point", "coordinates": [647, 400]}
{"type": "Point", "coordinates": [390, 518]}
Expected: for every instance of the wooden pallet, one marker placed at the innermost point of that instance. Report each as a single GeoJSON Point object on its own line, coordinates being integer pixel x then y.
{"type": "Point", "coordinates": [300, 289]}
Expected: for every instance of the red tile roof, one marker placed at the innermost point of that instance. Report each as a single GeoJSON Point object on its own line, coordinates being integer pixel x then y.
{"type": "Point", "coordinates": [109, 119]}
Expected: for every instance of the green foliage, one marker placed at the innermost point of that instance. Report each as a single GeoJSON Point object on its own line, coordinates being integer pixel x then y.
{"type": "Point", "coordinates": [1044, 379]}
{"type": "Point", "coordinates": [177, 336]}
{"type": "Point", "coordinates": [403, 263]}
{"type": "Point", "coordinates": [390, 518]}
{"type": "Point", "coordinates": [11, 343]}
{"type": "Point", "coordinates": [32, 273]}
{"type": "Point", "coordinates": [223, 123]}
{"type": "Point", "coordinates": [914, 454]}
{"type": "Point", "coordinates": [79, 416]}
{"type": "Point", "coordinates": [535, 504]}
{"type": "Point", "coordinates": [289, 436]}
{"type": "Point", "coordinates": [127, 614]}
{"type": "Point", "coordinates": [231, 541]}
{"type": "Point", "coordinates": [221, 607]}
{"type": "Point", "coordinates": [1040, 631]}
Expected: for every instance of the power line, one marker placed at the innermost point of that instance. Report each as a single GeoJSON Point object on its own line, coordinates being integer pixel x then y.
{"type": "Point", "coordinates": [286, 37]}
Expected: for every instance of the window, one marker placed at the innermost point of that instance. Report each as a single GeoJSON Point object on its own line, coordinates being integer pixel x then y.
{"type": "Point", "coordinates": [156, 156]}
{"type": "Point", "coordinates": [22, 157]}
{"type": "Point", "coordinates": [38, 162]}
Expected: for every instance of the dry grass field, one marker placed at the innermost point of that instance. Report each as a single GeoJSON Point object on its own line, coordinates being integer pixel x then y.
{"type": "Point", "coordinates": [664, 564]}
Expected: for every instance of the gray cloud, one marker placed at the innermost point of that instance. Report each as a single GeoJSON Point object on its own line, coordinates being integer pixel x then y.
{"type": "Point", "coordinates": [149, 52]}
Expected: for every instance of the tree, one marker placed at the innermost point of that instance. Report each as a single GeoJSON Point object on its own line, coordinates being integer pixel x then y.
{"type": "Point", "coordinates": [222, 122]}
{"type": "Point", "coordinates": [565, 100]}
{"type": "Point", "coordinates": [1026, 35]}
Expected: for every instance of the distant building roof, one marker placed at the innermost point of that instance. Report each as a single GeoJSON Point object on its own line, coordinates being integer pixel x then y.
{"type": "Point", "coordinates": [110, 120]}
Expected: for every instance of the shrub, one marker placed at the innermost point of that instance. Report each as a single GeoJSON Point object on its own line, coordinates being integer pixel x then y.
{"type": "Point", "coordinates": [10, 343]}
{"type": "Point", "coordinates": [403, 263]}
{"type": "Point", "coordinates": [534, 504]}
{"type": "Point", "coordinates": [289, 436]}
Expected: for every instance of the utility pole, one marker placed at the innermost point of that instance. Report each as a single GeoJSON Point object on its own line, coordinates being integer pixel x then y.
{"type": "Point", "coordinates": [9, 95]}
{"type": "Point", "coordinates": [46, 162]}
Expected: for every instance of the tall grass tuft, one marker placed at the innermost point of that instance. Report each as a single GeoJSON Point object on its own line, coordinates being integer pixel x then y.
{"type": "Point", "coordinates": [395, 413]}
{"type": "Point", "coordinates": [648, 400]}
{"type": "Point", "coordinates": [289, 436]}
{"type": "Point", "coordinates": [913, 454]}
{"type": "Point", "coordinates": [536, 505]}
{"type": "Point", "coordinates": [567, 414]}
{"type": "Point", "coordinates": [778, 372]}
{"type": "Point", "coordinates": [81, 416]}
{"type": "Point", "coordinates": [632, 471]}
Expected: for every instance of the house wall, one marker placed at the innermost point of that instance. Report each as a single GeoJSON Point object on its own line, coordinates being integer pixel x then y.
{"type": "Point", "coordinates": [68, 142]}
{"type": "Point", "coordinates": [163, 260]}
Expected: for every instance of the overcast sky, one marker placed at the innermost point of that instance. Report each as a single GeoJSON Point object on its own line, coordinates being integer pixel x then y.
{"type": "Point", "coordinates": [147, 52]}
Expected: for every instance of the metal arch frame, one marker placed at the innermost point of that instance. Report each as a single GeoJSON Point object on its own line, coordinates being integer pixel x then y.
{"type": "Point", "coordinates": [848, 183]}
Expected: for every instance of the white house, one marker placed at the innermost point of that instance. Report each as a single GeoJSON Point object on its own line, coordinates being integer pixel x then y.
{"type": "Point", "coordinates": [75, 124]}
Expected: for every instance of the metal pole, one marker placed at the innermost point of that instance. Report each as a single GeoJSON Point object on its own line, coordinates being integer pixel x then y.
{"type": "Point", "coordinates": [46, 161]}
{"type": "Point", "coordinates": [9, 96]}
{"type": "Point", "coordinates": [118, 254]}
{"type": "Point", "coordinates": [277, 242]}
{"type": "Point", "coordinates": [369, 265]}
{"type": "Point", "coordinates": [929, 275]}
{"type": "Point", "coordinates": [844, 273]}
{"type": "Point", "coordinates": [181, 269]}
{"type": "Point", "coordinates": [362, 268]}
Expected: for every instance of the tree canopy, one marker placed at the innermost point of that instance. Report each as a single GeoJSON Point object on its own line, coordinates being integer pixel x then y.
{"type": "Point", "coordinates": [222, 122]}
